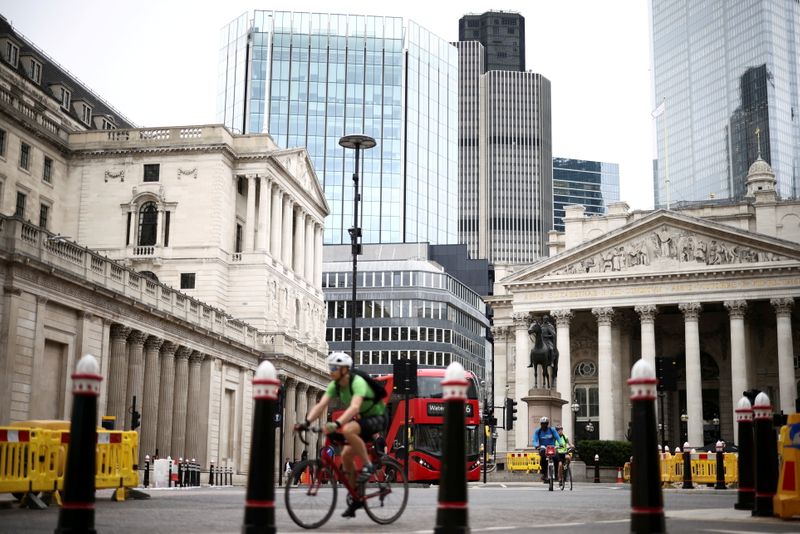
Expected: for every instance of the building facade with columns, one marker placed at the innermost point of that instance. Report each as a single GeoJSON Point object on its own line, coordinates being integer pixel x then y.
{"type": "Point", "coordinates": [708, 290]}
{"type": "Point", "coordinates": [180, 257]}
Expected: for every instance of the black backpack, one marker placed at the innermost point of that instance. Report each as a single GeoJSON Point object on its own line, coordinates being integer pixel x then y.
{"type": "Point", "coordinates": [377, 387]}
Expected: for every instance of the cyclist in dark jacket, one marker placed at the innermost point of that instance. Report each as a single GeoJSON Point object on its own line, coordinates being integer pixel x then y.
{"type": "Point", "coordinates": [543, 437]}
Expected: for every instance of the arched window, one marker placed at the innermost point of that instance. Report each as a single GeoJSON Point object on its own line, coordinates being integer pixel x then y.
{"type": "Point", "coordinates": [148, 221]}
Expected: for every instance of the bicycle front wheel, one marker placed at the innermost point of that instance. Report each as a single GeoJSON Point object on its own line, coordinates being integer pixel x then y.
{"type": "Point", "coordinates": [569, 474]}
{"type": "Point", "coordinates": [386, 492]}
{"type": "Point", "coordinates": [311, 502]}
{"type": "Point", "coordinates": [550, 474]}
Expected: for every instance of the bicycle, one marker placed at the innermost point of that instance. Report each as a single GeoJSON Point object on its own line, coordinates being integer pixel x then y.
{"type": "Point", "coordinates": [550, 454]}
{"type": "Point", "coordinates": [565, 471]}
{"type": "Point", "coordinates": [310, 504]}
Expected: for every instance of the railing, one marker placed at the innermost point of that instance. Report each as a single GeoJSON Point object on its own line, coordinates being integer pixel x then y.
{"type": "Point", "coordinates": [31, 241]}
{"type": "Point", "coordinates": [30, 112]}
{"type": "Point", "coordinates": [236, 257]}
{"type": "Point", "coordinates": [144, 251]}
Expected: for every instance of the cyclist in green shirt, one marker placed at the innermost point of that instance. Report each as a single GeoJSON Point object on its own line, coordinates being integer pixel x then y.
{"type": "Point", "coordinates": [364, 417]}
{"type": "Point", "coordinates": [562, 447]}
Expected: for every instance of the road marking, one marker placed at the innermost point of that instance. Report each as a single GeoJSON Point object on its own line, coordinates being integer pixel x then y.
{"type": "Point", "coordinates": [733, 531]}
{"type": "Point", "coordinates": [503, 486]}
{"type": "Point", "coordinates": [609, 521]}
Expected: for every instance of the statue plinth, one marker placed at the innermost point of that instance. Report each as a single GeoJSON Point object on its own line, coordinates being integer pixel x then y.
{"type": "Point", "coordinates": [543, 403]}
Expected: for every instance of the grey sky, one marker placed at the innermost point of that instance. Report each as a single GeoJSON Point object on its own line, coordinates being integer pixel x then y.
{"type": "Point", "coordinates": [156, 62]}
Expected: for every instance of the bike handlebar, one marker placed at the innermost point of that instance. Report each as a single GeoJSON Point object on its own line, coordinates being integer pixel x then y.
{"type": "Point", "coordinates": [302, 432]}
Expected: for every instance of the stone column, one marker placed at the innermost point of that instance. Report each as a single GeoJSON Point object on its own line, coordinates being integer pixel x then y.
{"type": "Point", "coordinates": [194, 408]}
{"type": "Point", "coordinates": [320, 420]}
{"type": "Point", "coordinates": [147, 440]}
{"type": "Point", "coordinates": [618, 384]}
{"type": "Point", "coordinates": [286, 228]}
{"type": "Point", "coordinates": [118, 374]}
{"type": "Point", "coordinates": [522, 438]}
{"type": "Point", "coordinates": [502, 335]}
{"type": "Point", "coordinates": [309, 253]}
{"type": "Point", "coordinates": [289, 417]}
{"type": "Point", "coordinates": [564, 378]}
{"type": "Point", "coordinates": [318, 233]}
{"type": "Point", "coordinates": [694, 380]}
{"type": "Point", "coordinates": [166, 397]}
{"type": "Point", "coordinates": [299, 243]}
{"type": "Point", "coordinates": [605, 372]}
{"type": "Point", "coordinates": [786, 378]}
{"type": "Point", "coordinates": [275, 225]}
{"type": "Point", "coordinates": [263, 215]}
{"type": "Point", "coordinates": [178, 449]}
{"type": "Point", "coordinates": [135, 373]}
{"type": "Point", "coordinates": [159, 227]}
{"type": "Point", "coordinates": [302, 410]}
{"type": "Point", "coordinates": [647, 318]}
{"type": "Point", "coordinates": [249, 223]}
{"type": "Point", "coordinates": [736, 311]}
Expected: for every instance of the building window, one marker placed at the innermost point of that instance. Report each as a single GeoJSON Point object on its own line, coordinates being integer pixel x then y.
{"type": "Point", "coordinates": [187, 280]}
{"type": "Point", "coordinates": [2, 143]}
{"type": "Point", "coordinates": [108, 125]}
{"type": "Point", "coordinates": [66, 98]}
{"type": "Point", "coordinates": [20, 211]}
{"type": "Point", "coordinates": [47, 170]}
{"type": "Point", "coordinates": [148, 221]}
{"type": "Point", "coordinates": [86, 114]}
{"type": "Point", "coordinates": [588, 399]}
{"type": "Point", "coordinates": [44, 213]}
{"type": "Point", "coordinates": [12, 53]}
{"type": "Point", "coordinates": [24, 156]}
{"type": "Point", "coordinates": [151, 172]}
{"type": "Point", "coordinates": [36, 71]}
{"type": "Point", "coordinates": [238, 243]}
{"type": "Point", "coordinates": [240, 185]}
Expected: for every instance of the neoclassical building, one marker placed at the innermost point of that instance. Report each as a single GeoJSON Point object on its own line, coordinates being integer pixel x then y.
{"type": "Point", "coordinates": [179, 256]}
{"type": "Point", "coordinates": [706, 291]}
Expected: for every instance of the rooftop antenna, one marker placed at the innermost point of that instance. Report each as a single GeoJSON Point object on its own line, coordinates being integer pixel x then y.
{"type": "Point", "coordinates": [758, 141]}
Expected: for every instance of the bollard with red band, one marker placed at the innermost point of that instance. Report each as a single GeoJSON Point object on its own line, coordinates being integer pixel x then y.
{"type": "Point", "coordinates": [647, 500]}
{"type": "Point", "coordinates": [77, 512]}
{"type": "Point", "coordinates": [452, 512]}
{"type": "Point", "coordinates": [720, 466]}
{"type": "Point", "coordinates": [766, 455]}
{"type": "Point", "coordinates": [746, 494]}
{"type": "Point", "coordinates": [259, 507]}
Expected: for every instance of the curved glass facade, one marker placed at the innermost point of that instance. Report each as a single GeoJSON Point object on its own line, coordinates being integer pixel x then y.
{"type": "Point", "coordinates": [725, 69]}
{"type": "Point", "coordinates": [312, 78]}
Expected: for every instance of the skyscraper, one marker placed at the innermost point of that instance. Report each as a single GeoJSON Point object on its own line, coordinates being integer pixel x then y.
{"type": "Point", "coordinates": [591, 183]}
{"type": "Point", "coordinates": [725, 69]}
{"type": "Point", "coordinates": [506, 165]}
{"type": "Point", "coordinates": [309, 78]}
{"type": "Point", "coordinates": [502, 34]}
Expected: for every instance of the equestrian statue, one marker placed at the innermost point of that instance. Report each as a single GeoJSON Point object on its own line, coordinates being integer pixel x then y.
{"type": "Point", "coordinates": [544, 353]}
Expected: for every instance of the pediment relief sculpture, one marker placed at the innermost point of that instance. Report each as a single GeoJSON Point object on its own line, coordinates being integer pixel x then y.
{"type": "Point", "coordinates": [667, 247]}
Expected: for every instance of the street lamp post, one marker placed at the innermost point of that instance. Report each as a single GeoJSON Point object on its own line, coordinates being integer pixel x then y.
{"type": "Point", "coordinates": [355, 142]}
{"type": "Point", "coordinates": [575, 409]}
{"type": "Point", "coordinates": [685, 421]}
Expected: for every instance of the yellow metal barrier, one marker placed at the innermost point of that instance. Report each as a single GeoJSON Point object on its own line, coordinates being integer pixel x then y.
{"type": "Point", "coordinates": [523, 461]}
{"type": "Point", "coordinates": [33, 459]}
{"type": "Point", "coordinates": [704, 468]}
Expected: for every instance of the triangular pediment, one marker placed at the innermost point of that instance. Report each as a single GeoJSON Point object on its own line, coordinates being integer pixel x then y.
{"type": "Point", "coordinates": [661, 242]}
{"type": "Point", "coordinates": [297, 164]}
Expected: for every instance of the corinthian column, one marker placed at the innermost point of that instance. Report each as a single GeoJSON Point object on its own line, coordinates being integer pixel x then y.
{"type": "Point", "coordinates": [194, 408]}
{"type": "Point", "coordinates": [521, 386]}
{"type": "Point", "coordinates": [302, 410]}
{"type": "Point", "coordinates": [299, 243]}
{"type": "Point", "coordinates": [786, 379]}
{"type": "Point", "coordinates": [736, 311]}
{"type": "Point", "coordinates": [181, 399]}
{"type": "Point", "coordinates": [694, 380]}
{"type": "Point", "coordinates": [647, 318]}
{"type": "Point", "coordinates": [263, 215]}
{"type": "Point", "coordinates": [135, 372]}
{"type": "Point", "coordinates": [147, 441]}
{"type": "Point", "coordinates": [309, 254]}
{"type": "Point", "coordinates": [249, 226]}
{"type": "Point", "coordinates": [317, 256]}
{"type": "Point", "coordinates": [166, 396]}
{"type": "Point", "coordinates": [605, 372]}
{"type": "Point", "coordinates": [275, 225]}
{"type": "Point", "coordinates": [286, 239]}
{"type": "Point", "coordinates": [118, 373]}
{"type": "Point", "coordinates": [289, 417]}
{"type": "Point", "coordinates": [564, 377]}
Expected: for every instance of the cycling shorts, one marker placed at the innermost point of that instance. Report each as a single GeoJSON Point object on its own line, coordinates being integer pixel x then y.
{"type": "Point", "coordinates": [371, 425]}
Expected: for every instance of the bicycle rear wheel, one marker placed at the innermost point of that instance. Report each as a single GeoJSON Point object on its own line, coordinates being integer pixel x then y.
{"type": "Point", "coordinates": [386, 492]}
{"type": "Point", "coordinates": [311, 503]}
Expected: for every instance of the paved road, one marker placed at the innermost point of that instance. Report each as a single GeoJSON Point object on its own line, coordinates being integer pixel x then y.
{"type": "Point", "coordinates": [504, 508]}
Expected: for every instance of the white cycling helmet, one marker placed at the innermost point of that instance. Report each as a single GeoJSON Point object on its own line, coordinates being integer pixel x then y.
{"type": "Point", "coordinates": [544, 420]}
{"type": "Point", "coordinates": [342, 359]}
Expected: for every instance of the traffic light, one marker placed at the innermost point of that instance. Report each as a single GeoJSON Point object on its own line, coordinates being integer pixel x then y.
{"type": "Point", "coordinates": [135, 420]}
{"type": "Point", "coordinates": [511, 413]}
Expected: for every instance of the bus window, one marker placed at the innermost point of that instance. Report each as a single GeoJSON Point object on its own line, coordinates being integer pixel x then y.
{"type": "Point", "coordinates": [431, 386]}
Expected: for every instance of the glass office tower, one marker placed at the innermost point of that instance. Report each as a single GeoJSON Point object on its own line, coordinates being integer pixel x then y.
{"type": "Point", "coordinates": [725, 69]}
{"type": "Point", "coordinates": [309, 78]}
{"type": "Point", "coordinates": [593, 184]}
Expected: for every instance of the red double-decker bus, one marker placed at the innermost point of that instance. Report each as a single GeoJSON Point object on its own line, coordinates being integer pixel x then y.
{"type": "Point", "coordinates": [426, 425]}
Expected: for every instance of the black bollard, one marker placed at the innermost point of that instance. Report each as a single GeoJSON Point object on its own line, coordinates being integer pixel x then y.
{"type": "Point", "coordinates": [194, 479]}
{"type": "Point", "coordinates": [169, 473]}
{"type": "Point", "coordinates": [596, 468]}
{"type": "Point", "coordinates": [77, 511]}
{"type": "Point", "coordinates": [744, 418]}
{"type": "Point", "coordinates": [452, 513]}
{"type": "Point", "coordinates": [720, 466]}
{"type": "Point", "coordinates": [230, 476]}
{"type": "Point", "coordinates": [259, 505]}
{"type": "Point", "coordinates": [687, 467]}
{"type": "Point", "coordinates": [179, 482]}
{"type": "Point", "coordinates": [647, 500]}
{"type": "Point", "coordinates": [211, 475]}
{"type": "Point", "coordinates": [146, 482]}
{"type": "Point", "coordinates": [766, 454]}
